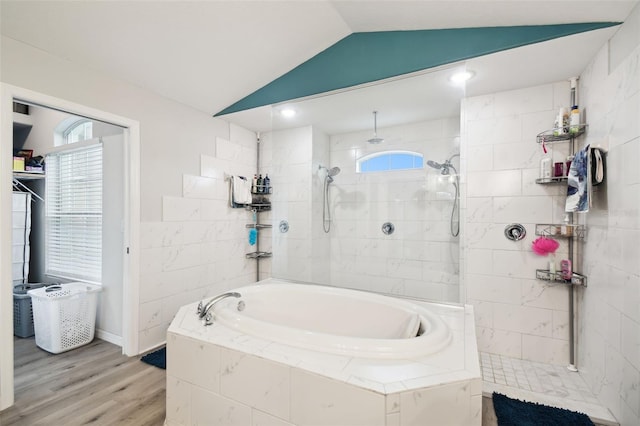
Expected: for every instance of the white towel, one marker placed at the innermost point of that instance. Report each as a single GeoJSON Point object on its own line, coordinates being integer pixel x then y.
{"type": "Point", "coordinates": [241, 190]}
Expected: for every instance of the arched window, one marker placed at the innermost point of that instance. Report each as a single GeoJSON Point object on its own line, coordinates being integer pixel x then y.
{"type": "Point", "coordinates": [389, 160]}
{"type": "Point", "coordinates": [76, 131]}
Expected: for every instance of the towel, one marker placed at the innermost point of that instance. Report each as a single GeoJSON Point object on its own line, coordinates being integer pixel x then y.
{"type": "Point", "coordinates": [253, 236]}
{"type": "Point", "coordinates": [241, 190]}
{"type": "Point", "coordinates": [598, 166]}
{"type": "Point", "coordinates": [578, 183]}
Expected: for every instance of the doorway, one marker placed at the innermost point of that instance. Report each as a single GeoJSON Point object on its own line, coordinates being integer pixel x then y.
{"type": "Point", "coordinates": [130, 159]}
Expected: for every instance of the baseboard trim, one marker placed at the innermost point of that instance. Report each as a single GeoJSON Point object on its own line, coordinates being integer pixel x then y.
{"type": "Point", "coordinates": [109, 337]}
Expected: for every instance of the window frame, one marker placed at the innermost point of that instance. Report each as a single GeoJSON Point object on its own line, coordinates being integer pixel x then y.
{"type": "Point", "coordinates": [389, 153]}
{"type": "Point", "coordinates": [69, 261]}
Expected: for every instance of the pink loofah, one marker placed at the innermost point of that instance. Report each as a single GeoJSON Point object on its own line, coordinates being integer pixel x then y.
{"type": "Point", "coordinates": [543, 246]}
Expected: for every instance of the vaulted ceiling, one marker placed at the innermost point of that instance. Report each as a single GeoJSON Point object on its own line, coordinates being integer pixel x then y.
{"type": "Point", "coordinates": [210, 54]}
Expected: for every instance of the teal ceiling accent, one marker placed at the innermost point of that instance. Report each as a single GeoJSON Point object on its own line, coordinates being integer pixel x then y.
{"type": "Point", "coordinates": [366, 57]}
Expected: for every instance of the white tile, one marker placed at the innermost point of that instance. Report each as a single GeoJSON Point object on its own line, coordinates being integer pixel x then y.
{"type": "Point", "coordinates": [517, 155]}
{"type": "Point", "coordinates": [522, 209]}
{"type": "Point", "coordinates": [178, 405]}
{"type": "Point", "coordinates": [501, 183]}
{"type": "Point", "coordinates": [318, 400]}
{"type": "Point", "coordinates": [494, 131]}
{"type": "Point", "coordinates": [524, 319]}
{"type": "Point", "coordinates": [544, 349]}
{"type": "Point", "coordinates": [269, 389]}
{"type": "Point", "coordinates": [193, 362]}
{"type": "Point", "coordinates": [500, 341]}
{"type": "Point", "coordinates": [494, 289]}
{"type": "Point", "coordinates": [441, 405]}
{"type": "Point", "coordinates": [258, 418]}
{"type": "Point", "coordinates": [180, 209]}
{"type": "Point", "coordinates": [199, 187]}
{"type": "Point", "coordinates": [150, 314]}
{"type": "Point", "coordinates": [522, 101]}
{"type": "Point", "coordinates": [210, 409]}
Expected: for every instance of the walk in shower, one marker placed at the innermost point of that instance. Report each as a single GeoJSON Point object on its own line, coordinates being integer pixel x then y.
{"type": "Point", "coordinates": [389, 222]}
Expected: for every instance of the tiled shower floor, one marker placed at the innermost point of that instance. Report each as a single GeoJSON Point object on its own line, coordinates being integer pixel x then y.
{"type": "Point", "coordinates": [546, 384]}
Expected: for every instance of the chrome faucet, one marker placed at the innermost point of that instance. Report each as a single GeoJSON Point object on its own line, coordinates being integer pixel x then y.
{"type": "Point", "coordinates": [204, 310]}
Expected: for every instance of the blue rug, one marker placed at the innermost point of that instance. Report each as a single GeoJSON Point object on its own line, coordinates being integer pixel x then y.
{"type": "Point", "coordinates": [157, 358]}
{"type": "Point", "coordinates": [513, 412]}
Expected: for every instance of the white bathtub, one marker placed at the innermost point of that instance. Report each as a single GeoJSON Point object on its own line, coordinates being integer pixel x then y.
{"type": "Point", "coordinates": [335, 320]}
{"type": "Point", "coordinates": [300, 354]}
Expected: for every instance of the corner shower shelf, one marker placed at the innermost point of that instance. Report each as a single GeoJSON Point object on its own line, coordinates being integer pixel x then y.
{"type": "Point", "coordinates": [549, 136]}
{"type": "Point", "coordinates": [258, 225]}
{"type": "Point", "coordinates": [546, 181]}
{"type": "Point", "coordinates": [561, 230]}
{"type": "Point", "coordinates": [259, 207]}
{"type": "Point", "coordinates": [546, 275]}
{"type": "Point", "coordinates": [263, 190]}
{"type": "Point", "coordinates": [258, 254]}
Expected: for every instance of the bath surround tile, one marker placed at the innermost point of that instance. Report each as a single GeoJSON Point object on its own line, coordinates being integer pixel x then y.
{"type": "Point", "coordinates": [333, 402]}
{"type": "Point", "coordinates": [277, 384]}
{"type": "Point", "coordinates": [269, 389]}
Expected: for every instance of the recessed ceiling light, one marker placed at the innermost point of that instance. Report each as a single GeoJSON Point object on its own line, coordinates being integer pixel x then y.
{"type": "Point", "coordinates": [461, 77]}
{"type": "Point", "coordinates": [288, 113]}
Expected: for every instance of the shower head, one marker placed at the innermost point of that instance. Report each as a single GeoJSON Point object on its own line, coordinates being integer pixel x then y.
{"type": "Point", "coordinates": [333, 171]}
{"type": "Point", "coordinates": [330, 172]}
{"type": "Point", "coordinates": [433, 164]}
{"type": "Point", "coordinates": [375, 139]}
{"type": "Point", "coordinates": [444, 168]}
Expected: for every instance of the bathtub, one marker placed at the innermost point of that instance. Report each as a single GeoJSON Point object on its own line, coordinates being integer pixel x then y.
{"type": "Point", "coordinates": [335, 320]}
{"type": "Point", "coordinates": [297, 354]}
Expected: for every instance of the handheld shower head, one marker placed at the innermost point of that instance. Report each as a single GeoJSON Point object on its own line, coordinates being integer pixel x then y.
{"type": "Point", "coordinates": [444, 167]}
{"type": "Point", "coordinates": [434, 165]}
{"type": "Point", "coordinates": [330, 172]}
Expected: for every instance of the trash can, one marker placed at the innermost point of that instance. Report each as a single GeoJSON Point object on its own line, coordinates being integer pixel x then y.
{"type": "Point", "coordinates": [23, 310]}
{"type": "Point", "coordinates": [64, 315]}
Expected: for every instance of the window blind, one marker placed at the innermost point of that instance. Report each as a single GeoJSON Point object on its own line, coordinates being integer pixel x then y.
{"type": "Point", "coordinates": [74, 213]}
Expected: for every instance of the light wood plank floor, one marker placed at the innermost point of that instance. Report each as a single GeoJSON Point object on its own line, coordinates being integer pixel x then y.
{"type": "Point", "coordinates": [91, 385]}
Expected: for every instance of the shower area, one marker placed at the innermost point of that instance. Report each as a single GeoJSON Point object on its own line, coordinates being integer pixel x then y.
{"type": "Point", "coordinates": [391, 228]}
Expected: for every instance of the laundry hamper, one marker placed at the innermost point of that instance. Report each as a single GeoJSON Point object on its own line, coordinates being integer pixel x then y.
{"type": "Point", "coordinates": [64, 315]}
{"type": "Point", "coordinates": [22, 309]}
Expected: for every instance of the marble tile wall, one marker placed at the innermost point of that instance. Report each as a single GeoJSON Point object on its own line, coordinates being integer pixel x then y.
{"type": "Point", "coordinates": [516, 315]}
{"type": "Point", "coordinates": [198, 248]}
{"type": "Point", "coordinates": [286, 156]}
{"type": "Point", "coordinates": [609, 309]}
{"type": "Point", "coordinates": [420, 259]}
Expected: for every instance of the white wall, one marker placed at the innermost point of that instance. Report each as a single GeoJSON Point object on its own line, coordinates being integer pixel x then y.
{"type": "Point", "coordinates": [516, 315]}
{"type": "Point", "coordinates": [609, 309]}
{"type": "Point", "coordinates": [192, 244]}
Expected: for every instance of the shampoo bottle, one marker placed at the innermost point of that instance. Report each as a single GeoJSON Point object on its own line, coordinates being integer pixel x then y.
{"type": "Point", "coordinates": [565, 267]}
{"type": "Point", "coordinates": [574, 120]}
{"type": "Point", "coordinates": [545, 168]}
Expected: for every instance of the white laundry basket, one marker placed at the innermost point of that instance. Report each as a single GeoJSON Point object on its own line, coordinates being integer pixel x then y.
{"type": "Point", "coordinates": [64, 316]}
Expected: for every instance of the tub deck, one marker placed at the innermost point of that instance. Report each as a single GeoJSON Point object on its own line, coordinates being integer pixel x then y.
{"type": "Point", "coordinates": [250, 377]}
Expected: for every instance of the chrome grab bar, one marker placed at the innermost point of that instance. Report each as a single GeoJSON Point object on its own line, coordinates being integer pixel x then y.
{"type": "Point", "coordinates": [203, 310]}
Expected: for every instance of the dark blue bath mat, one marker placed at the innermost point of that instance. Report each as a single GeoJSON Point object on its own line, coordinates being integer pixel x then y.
{"type": "Point", "coordinates": [157, 358]}
{"type": "Point", "coordinates": [513, 412]}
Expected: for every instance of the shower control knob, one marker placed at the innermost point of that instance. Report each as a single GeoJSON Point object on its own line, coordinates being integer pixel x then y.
{"type": "Point", "coordinates": [388, 228]}
{"type": "Point", "coordinates": [515, 232]}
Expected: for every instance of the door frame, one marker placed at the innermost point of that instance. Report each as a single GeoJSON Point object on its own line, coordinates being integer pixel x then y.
{"type": "Point", "coordinates": [131, 248]}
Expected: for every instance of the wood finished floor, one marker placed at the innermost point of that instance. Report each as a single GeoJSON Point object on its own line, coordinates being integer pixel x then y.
{"type": "Point", "coordinates": [91, 385]}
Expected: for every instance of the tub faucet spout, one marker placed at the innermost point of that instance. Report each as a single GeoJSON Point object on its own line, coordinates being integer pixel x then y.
{"type": "Point", "coordinates": [204, 309]}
